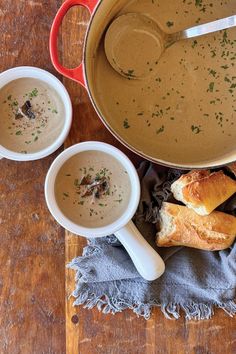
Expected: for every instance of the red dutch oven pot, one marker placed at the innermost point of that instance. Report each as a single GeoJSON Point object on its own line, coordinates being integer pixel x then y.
{"type": "Point", "coordinates": [102, 12]}
{"type": "Point", "coordinates": [76, 74]}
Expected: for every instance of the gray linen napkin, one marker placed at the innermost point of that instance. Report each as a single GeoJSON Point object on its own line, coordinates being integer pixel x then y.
{"type": "Point", "coordinates": [194, 281]}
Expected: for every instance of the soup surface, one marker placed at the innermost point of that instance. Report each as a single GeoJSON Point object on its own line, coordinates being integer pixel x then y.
{"type": "Point", "coordinates": [184, 111]}
{"type": "Point", "coordinates": [92, 189]}
{"type": "Point", "coordinates": [31, 115]}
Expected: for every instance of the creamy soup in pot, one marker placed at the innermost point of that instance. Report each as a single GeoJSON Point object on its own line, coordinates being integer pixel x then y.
{"type": "Point", "coordinates": [184, 111]}
{"type": "Point", "coordinates": [92, 189]}
{"type": "Point", "coordinates": [32, 115]}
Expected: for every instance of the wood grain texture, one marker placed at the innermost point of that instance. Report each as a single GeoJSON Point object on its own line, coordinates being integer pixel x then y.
{"type": "Point", "coordinates": [32, 272]}
{"type": "Point", "coordinates": [88, 331]}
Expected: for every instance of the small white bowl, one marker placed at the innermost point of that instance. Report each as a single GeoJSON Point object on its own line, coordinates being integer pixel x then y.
{"type": "Point", "coordinates": [66, 222]}
{"type": "Point", "coordinates": [42, 75]}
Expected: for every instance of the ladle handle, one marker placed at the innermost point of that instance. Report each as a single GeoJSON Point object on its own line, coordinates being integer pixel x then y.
{"type": "Point", "coordinates": [146, 260]}
{"type": "Point", "coordinates": [76, 74]}
{"type": "Point", "coordinates": [210, 27]}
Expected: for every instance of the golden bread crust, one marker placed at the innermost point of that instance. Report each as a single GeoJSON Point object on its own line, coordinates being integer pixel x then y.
{"type": "Point", "coordinates": [208, 191]}
{"type": "Point", "coordinates": [211, 191]}
{"type": "Point", "coordinates": [211, 232]}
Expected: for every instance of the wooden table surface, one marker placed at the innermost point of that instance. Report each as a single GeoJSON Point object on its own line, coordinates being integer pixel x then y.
{"type": "Point", "coordinates": [35, 315]}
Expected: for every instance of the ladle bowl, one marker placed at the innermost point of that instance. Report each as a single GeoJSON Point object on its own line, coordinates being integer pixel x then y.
{"type": "Point", "coordinates": [134, 42]}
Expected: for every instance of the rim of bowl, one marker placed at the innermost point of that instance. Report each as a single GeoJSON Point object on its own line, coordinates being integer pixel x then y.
{"type": "Point", "coordinates": [65, 221]}
{"type": "Point", "coordinates": [44, 76]}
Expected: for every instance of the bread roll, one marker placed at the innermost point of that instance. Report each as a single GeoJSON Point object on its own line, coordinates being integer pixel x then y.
{"type": "Point", "coordinates": [180, 226]}
{"type": "Point", "coordinates": [203, 191]}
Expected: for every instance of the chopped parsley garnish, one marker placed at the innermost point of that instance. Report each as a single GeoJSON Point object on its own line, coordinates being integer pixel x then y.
{"type": "Point", "coordinates": [76, 182]}
{"type": "Point", "coordinates": [213, 53]}
{"type": "Point", "coordinates": [194, 43]}
{"type": "Point", "coordinates": [196, 129]}
{"type": "Point", "coordinates": [169, 23]}
{"type": "Point", "coordinates": [126, 124]}
{"type": "Point", "coordinates": [198, 3]}
{"type": "Point", "coordinates": [15, 103]}
{"type": "Point", "coordinates": [119, 200]}
{"type": "Point", "coordinates": [211, 87]}
{"type": "Point", "coordinates": [225, 37]}
{"type": "Point", "coordinates": [160, 130]}
{"type": "Point", "coordinates": [129, 73]}
{"type": "Point", "coordinates": [33, 93]}
{"type": "Point", "coordinates": [212, 72]}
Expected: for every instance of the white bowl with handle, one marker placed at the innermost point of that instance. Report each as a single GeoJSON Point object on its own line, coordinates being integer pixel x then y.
{"type": "Point", "coordinates": [147, 261]}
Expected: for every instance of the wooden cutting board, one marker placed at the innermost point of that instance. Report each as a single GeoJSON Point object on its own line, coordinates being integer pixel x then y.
{"type": "Point", "coordinates": [73, 248]}
{"type": "Point", "coordinates": [90, 332]}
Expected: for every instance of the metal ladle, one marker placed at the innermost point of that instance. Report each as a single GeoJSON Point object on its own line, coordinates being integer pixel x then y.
{"type": "Point", "coordinates": [134, 42]}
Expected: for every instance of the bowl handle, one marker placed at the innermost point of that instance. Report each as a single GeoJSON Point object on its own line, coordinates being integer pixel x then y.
{"type": "Point", "coordinates": [76, 74]}
{"type": "Point", "coordinates": [146, 260]}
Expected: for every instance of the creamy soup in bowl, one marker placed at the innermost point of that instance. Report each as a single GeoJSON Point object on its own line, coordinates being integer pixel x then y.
{"type": "Point", "coordinates": [92, 189]}
{"type": "Point", "coordinates": [35, 113]}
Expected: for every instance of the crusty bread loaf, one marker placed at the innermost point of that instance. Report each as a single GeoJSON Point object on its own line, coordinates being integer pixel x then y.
{"type": "Point", "coordinates": [181, 226]}
{"type": "Point", "coordinates": [203, 191]}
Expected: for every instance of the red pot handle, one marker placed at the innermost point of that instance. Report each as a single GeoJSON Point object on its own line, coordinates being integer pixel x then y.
{"type": "Point", "coordinates": [76, 74]}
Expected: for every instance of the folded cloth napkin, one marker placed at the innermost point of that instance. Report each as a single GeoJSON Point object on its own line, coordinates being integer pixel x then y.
{"type": "Point", "coordinates": [194, 281]}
